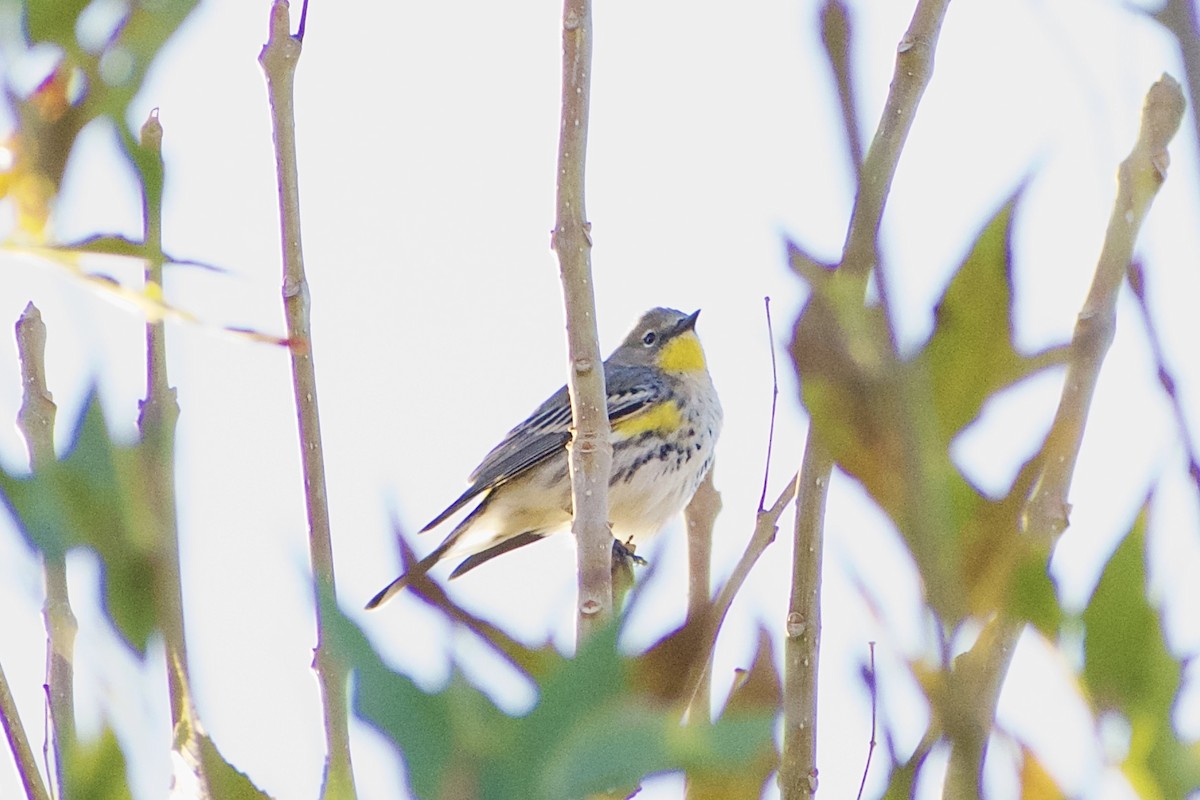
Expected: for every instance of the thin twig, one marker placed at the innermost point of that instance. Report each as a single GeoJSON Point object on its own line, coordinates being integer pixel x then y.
{"type": "Point", "coordinates": [873, 687]}
{"type": "Point", "coordinates": [35, 419]}
{"type": "Point", "coordinates": [1137, 280]}
{"type": "Point", "coordinates": [18, 742]}
{"type": "Point", "coordinates": [914, 68]}
{"type": "Point", "coordinates": [762, 498]}
{"type": "Point", "coordinates": [591, 446]}
{"type": "Point", "coordinates": [158, 415]}
{"type": "Point", "coordinates": [836, 35]}
{"type": "Point", "coordinates": [765, 527]}
{"type": "Point", "coordinates": [1179, 17]}
{"type": "Point", "coordinates": [278, 60]}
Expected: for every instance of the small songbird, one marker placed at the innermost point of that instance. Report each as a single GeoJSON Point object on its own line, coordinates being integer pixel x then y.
{"type": "Point", "coordinates": [665, 420]}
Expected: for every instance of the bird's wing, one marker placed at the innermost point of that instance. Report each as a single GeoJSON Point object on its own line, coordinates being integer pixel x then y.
{"type": "Point", "coordinates": [547, 431]}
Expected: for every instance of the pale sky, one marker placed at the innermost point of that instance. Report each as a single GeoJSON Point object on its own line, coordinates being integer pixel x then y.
{"type": "Point", "coordinates": [427, 138]}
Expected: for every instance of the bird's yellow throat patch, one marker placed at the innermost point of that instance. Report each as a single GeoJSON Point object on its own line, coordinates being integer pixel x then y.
{"type": "Point", "coordinates": [664, 418]}
{"type": "Point", "coordinates": [682, 354]}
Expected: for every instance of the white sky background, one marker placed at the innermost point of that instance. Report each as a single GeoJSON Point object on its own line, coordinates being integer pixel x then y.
{"type": "Point", "coordinates": [427, 138]}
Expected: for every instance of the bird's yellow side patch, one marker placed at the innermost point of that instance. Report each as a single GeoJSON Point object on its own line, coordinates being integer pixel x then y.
{"type": "Point", "coordinates": [682, 354]}
{"type": "Point", "coordinates": [664, 418]}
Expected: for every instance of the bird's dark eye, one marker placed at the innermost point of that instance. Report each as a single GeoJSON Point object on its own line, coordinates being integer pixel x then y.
{"type": "Point", "coordinates": [649, 338]}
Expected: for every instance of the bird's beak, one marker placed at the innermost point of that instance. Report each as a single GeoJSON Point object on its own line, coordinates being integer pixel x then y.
{"type": "Point", "coordinates": [687, 323]}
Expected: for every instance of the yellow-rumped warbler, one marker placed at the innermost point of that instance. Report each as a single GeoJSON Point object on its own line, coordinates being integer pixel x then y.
{"type": "Point", "coordinates": [665, 420]}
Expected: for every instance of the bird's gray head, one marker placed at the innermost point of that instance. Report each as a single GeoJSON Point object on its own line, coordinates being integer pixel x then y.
{"type": "Point", "coordinates": [665, 338]}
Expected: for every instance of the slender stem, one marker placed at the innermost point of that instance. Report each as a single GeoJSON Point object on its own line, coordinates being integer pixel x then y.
{"type": "Point", "coordinates": [278, 60]}
{"type": "Point", "coordinates": [700, 516]}
{"type": "Point", "coordinates": [762, 498]}
{"type": "Point", "coordinates": [1137, 281]}
{"type": "Point", "coordinates": [860, 256]}
{"type": "Point", "coordinates": [31, 779]}
{"type": "Point", "coordinates": [765, 527]}
{"type": "Point", "coordinates": [591, 448]}
{"type": "Point", "coordinates": [836, 37]}
{"type": "Point", "coordinates": [36, 422]}
{"type": "Point", "coordinates": [802, 648]}
{"type": "Point", "coordinates": [158, 415]}
{"type": "Point", "coordinates": [873, 686]}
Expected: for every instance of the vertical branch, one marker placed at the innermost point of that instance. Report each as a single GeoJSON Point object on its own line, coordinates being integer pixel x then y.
{"type": "Point", "coordinates": [700, 516]}
{"type": "Point", "coordinates": [802, 648]}
{"type": "Point", "coordinates": [1139, 178]}
{"type": "Point", "coordinates": [158, 415]}
{"type": "Point", "coordinates": [860, 256]}
{"type": "Point", "coordinates": [36, 422]}
{"type": "Point", "coordinates": [278, 60]}
{"type": "Point", "coordinates": [591, 447]}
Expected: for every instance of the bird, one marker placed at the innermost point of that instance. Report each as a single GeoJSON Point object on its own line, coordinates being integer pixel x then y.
{"type": "Point", "coordinates": [665, 419]}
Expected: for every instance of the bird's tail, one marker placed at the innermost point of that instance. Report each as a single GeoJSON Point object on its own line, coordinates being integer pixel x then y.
{"type": "Point", "coordinates": [397, 586]}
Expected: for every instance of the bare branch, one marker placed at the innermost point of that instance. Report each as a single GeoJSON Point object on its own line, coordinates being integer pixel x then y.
{"type": "Point", "coordinates": [700, 517]}
{"type": "Point", "coordinates": [765, 527]}
{"type": "Point", "coordinates": [35, 419]}
{"type": "Point", "coordinates": [591, 447]}
{"type": "Point", "coordinates": [914, 68]}
{"type": "Point", "coordinates": [31, 779]}
{"type": "Point", "coordinates": [836, 35]}
{"type": "Point", "coordinates": [1138, 180]}
{"type": "Point", "coordinates": [278, 59]}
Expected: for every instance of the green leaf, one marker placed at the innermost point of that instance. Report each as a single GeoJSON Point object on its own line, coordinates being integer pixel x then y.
{"type": "Point", "coordinates": [116, 245]}
{"type": "Point", "coordinates": [970, 354]}
{"type": "Point", "coordinates": [1126, 662]}
{"type": "Point", "coordinates": [53, 21]}
{"type": "Point", "coordinates": [96, 770]}
{"type": "Point", "coordinates": [848, 380]}
{"type": "Point", "coordinates": [1128, 669]}
{"type": "Point", "coordinates": [590, 732]}
{"type": "Point", "coordinates": [224, 780]}
{"type": "Point", "coordinates": [1032, 594]}
{"type": "Point", "coordinates": [866, 410]}
{"type": "Point", "coordinates": [97, 497]}
{"type": "Point", "coordinates": [445, 737]}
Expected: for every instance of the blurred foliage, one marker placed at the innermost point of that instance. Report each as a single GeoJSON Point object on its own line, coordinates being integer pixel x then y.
{"type": "Point", "coordinates": [95, 497]}
{"type": "Point", "coordinates": [1129, 671]}
{"type": "Point", "coordinates": [96, 770]}
{"type": "Point", "coordinates": [601, 724]}
{"type": "Point", "coordinates": [889, 421]}
{"type": "Point", "coordinates": [103, 58]}
{"type": "Point", "coordinates": [604, 719]}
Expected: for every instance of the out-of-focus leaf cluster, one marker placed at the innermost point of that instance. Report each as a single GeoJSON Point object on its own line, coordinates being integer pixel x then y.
{"type": "Point", "coordinates": [603, 721]}
{"type": "Point", "coordinates": [102, 60]}
{"type": "Point", "coordinates": [889, 421]}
